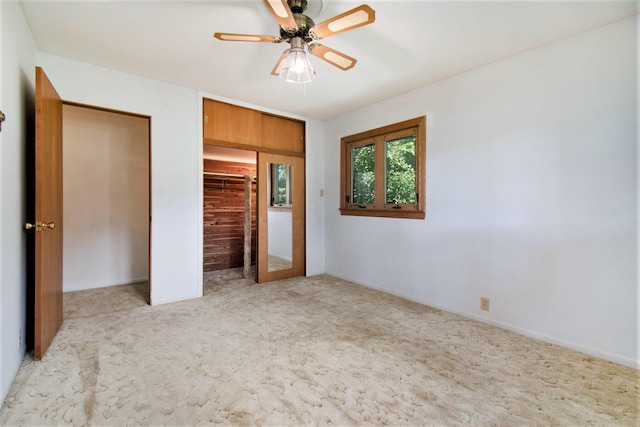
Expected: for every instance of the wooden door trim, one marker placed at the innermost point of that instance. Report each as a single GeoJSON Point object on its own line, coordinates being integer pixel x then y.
{"type": "Point", "coordinates": [248, 147]}
{"type": "Point", "coordinates": [298, 219]}
{"type": "Point", "coordinates": [107, 110]}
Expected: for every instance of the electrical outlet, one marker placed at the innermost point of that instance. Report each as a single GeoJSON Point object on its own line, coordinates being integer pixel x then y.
{"type": "Point", "coordinates": [484, 303]}
{"type": "Point", "coordinates": [19, 337]}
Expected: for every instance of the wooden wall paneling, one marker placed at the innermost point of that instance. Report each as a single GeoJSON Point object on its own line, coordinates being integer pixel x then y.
{"type": "Point", "coordinates": [231, 123]}
{"type": "Point", "coordinates": [248, 180]}
{"type": "Point", "coordinates": [282, 134]}
{"type": "Point", "coordinates": [224, 215]}
{"type": "Point", "coordinates": [235, 168]}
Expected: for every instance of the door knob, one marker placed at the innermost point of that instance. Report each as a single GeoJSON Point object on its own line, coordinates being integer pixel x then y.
{"type": "Point", "coordinates": [37, 226]}
{"type": "Point", "coordinates": [40, 225]}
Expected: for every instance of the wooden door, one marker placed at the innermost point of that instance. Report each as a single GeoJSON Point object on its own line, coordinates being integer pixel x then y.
{"type": "Point", "coordinates": [47, 220]}
{"type": "Point", "coordinates": [282, 134]}
{"type": "Point", "coordinates": [230, 124]}
{"type": "Point", "coordinates": [290, 261]}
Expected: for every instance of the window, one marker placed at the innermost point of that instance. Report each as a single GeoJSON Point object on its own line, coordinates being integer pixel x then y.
{"type": "Point", "coordinates": [280, 178]}
{"type": "Point", "coordinates": [383, 171]}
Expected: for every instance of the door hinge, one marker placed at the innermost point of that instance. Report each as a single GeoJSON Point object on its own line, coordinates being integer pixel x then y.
{"type": "Point", "coordinates": [206, 119]}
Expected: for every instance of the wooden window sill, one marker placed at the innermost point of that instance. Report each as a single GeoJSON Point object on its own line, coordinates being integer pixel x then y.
{"type": "Point", "coordinates": [383, 213]}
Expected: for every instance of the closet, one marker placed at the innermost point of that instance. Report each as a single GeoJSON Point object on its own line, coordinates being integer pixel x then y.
{"type": "Point", "coordinates": [276, 221]}
{"type": "Point", "coordinates": [106, 176]}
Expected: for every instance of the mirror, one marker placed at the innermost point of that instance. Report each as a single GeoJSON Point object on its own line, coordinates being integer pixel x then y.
{"type": "Point", "coordinates": [279, 217]}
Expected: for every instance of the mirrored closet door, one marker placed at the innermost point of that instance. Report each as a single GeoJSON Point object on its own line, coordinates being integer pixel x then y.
{"type": "Point", "coordinates": [281, 251]}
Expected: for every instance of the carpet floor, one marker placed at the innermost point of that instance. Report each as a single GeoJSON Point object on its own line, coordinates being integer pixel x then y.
{"type": "Point", "coordinates": [305, 351]}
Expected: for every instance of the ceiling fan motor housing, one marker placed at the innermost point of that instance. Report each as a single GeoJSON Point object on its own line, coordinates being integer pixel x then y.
{"type": "Point", "coordinates": [297, 6]}
{"type": "Point", "coordinates": [304, 24]}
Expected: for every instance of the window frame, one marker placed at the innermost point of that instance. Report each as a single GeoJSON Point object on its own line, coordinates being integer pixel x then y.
{"type": "Point", "coordinates": [381, 135]}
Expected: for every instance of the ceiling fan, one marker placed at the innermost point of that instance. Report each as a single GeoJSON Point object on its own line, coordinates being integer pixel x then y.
{"type": "Point", "coordinates": [300, 31]}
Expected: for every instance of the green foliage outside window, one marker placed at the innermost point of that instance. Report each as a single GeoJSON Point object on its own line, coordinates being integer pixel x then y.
{"type": "Point", "coordinates": [401, 171]}
{"type": "Point", "coordinates": [281, 184]}
{"type": "Point", "coordinates": [281, 176]}
{"type": "Point", "coordinates": [364, 178]}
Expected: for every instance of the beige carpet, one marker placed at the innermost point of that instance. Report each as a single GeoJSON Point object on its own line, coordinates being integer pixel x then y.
{"type": "Point", "coordinates": [94, 302]}
{"type": "Point", "coordinates": [315, 350]}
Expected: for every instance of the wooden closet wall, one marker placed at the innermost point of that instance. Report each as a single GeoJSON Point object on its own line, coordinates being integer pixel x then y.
{"type": "Point", "coordinates": [223, 232]}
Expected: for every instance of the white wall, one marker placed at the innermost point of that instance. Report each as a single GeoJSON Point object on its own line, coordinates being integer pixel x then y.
{"type": "Point", "coordinates": [531, 196]}
{"type": "Point", "coordinates": [638, 181]}
{"type": "Point", "coordinates": [105, 198]}
{"type": "Point", "coordinates": [175, 164]}
{"type": "Point", "coordinates": [315, 209]}
{"type": "Point", "coordinates": [17, 79]}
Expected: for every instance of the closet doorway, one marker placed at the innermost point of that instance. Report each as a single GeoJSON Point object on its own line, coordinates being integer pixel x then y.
{"type": "Point", "coordinates": [229, 214]}
{"type": "Point", "coordinates": [279, 143]}
{"type": "Point", "coordinates": [106, 205]}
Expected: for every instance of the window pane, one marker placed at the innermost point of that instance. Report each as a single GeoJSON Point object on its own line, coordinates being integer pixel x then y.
{"type": "Point", "coordinates": [363, 167]}
{"type": "Point", "coordinates": [400, 177]}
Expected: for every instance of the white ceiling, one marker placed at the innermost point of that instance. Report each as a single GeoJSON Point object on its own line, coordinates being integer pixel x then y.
{"type": "Point", "coordinates": [411, 43]}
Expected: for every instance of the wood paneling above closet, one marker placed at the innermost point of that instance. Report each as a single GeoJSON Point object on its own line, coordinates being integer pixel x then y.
{"type": "Point", "coordinates": [283, 134]}
{"type": "Point", "coordinates": [230, 123]}
{"type": "Point", "coordinates": [232, 126]}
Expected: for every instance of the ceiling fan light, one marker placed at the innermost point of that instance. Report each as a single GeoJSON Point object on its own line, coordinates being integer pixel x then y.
{"type": "Point", "coordinates": [296, 68]}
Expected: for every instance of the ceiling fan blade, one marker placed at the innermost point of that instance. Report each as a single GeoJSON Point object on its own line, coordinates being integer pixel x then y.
{"type": "Point", "coordinates": [280, 9]}
{"type": "Point", "coordinates": [354, 18]}
{"type": "Point", "coordinates": [276, 69]}
{"type": "Point", "coordinates": [332, 56]}
{"type": "Point", "coordinates": [246, 38]}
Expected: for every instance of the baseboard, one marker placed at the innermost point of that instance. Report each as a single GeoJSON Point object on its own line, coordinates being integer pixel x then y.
{"type": "Point", "coordinates": [611, 357]}
{"type": "Point", "coordinates": [130, 281]}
